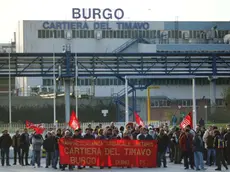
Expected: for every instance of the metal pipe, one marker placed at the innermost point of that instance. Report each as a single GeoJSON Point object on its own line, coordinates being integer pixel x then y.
{"type": "Point", "coordinates": [54, 86]}
{"type": "Point", "coordinates": [156, 77]}
{"type": "Point", "coordinates": [67, 100]}
{"type": "Point", "coordinates": [194, 103]}
{"type": "Point", "coordinates": [126, 101]}
{"type": "Point", "coordinates": [59, 76]}
{"type": "Point", "coordinates": [10, 98]}
{"type": "Point", "coordinates": [76, 85]}
{"type": "Point", "coordinates": [168, 77]}
{"type": "Point", "coordinates": [148, 105]}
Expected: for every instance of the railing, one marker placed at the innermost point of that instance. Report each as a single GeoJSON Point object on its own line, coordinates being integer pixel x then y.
{"type": "Point", "coordinates": [14, 127]}
{"type": "Point", "coordinates": [122, 92]}
{"type": "Point", "coordinates": [45, 90]}
{"type": "Point", "coordinates": [124, 46]}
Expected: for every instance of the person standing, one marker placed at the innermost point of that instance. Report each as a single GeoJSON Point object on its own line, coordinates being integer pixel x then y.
{"type": "Point", "coordinates": [25, 144]}
{"type": "Point", "coordinates": [37, 142]}
{"type": "Point", "coordinates": [67, 136]}
{"type": "Point", "coordinates": [219, 146]}
{"type": "Point", "coordinates": [175, 140]}
{"type": "Point", "coordinates": [174, 120]}
{"type": "Point", "coordinates": [198, 151]}
{"type": "Point", "coordinates": [163, 142]}
{"type": "Point", "coordinates": [16, 145]}
{"type": "Point", "coordinates": [49, 146]}
{"type": "Point", "coordinates": [78, 135]}
{"type": "Point", "coordinates": [227, 140]}
{"type": "Point", "coordinates": [5, 143]}
{"type": "Point", "coordinates": [56, 151]}
{"type": "Point", "coordinates": [186, 144]}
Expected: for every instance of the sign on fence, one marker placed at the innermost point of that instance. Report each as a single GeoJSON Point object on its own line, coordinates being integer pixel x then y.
{"type": "Point", "coordinates": [108, 153]}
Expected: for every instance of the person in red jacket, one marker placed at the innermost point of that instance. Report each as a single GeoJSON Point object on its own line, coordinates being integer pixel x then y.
{"type": "Point", "coordinates": [186, 144]}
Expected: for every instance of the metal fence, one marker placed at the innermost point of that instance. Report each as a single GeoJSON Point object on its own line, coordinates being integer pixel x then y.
{"type": "Point", "coordinates": [14, 127]}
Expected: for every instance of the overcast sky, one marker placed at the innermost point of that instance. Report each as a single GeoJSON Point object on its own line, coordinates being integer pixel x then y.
{"type": "Point", "coordinates": [12, 11]}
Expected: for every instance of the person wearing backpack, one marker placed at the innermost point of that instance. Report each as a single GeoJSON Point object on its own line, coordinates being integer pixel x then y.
{"type": "Point", "coordinates": [219, 145]}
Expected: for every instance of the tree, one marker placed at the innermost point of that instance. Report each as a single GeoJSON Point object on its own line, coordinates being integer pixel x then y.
{"type": "Point", "coordinates": [226, 97]}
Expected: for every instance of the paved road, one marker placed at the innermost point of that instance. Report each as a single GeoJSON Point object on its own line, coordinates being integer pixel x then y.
{"type": "Point", "coordinates": [171, 168]}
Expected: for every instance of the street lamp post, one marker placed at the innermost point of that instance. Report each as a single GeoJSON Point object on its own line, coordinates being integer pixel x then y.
{"type": "Point", "coordinates": [126, 101]}
{"type": "Point", "coordinates": [76, 83]}
{"type": "Point", "coordinates": [54, 86]}
{"type": "Point", "coordinates": [206, 113]}
{"type": "Point", "coordinates": [194, 102]}
{"type": "Point", "coordinates": [9, 91]}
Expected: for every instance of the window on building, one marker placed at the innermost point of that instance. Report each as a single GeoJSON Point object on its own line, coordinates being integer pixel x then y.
{"type": "Point", "coordinates": [47, 32]}
{"type": "Point", "coordinates": [160, 103]}
{"type": "Point", "coordinates": [111, 81]}
{"type": "Point", "coordinates": [43, 33]}
{"type": "Point", "coordinates": [219, 102]}
{"type": "Point", "coordinates": [103, 82]}
{"type": "Point", "coordinates": [120, 82]}
{"type": "Point", "coordinates": [115, 81]}
{"type": "Point", "coordinates": [62, 34]}
{"type": "Point", "coordinates": [74, 33]}
{"type": "Point", "coordinates": [47, 82]}
{"type": "Point", "coordinates": [87, 82]}
{"type": "Point", "coordinates": [82, 82]}
{"type": "Point", "coordinates": [39, 34]}
{"type": "Point", "coordinates": [129, 34]}
{"type": "Point", "coordinates": [58, 34]}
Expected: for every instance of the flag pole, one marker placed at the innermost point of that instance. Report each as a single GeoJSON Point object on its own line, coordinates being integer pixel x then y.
{"type": "Point", "coordinates": [76, 83]}
{"type": "Point", "coordinates": [54, 86]}
{"type": "Point", "coordinates": [9, 91]}
{"type": "Point", "coordinates": [194, 103]}
{"type": "Point", "coordinates": [126, 101]}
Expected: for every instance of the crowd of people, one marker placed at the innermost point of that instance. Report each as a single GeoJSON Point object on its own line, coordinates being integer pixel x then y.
{"type": "Point", "coordinates": [190, 146]}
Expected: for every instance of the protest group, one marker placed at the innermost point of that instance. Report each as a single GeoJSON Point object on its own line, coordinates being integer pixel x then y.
{"type": "Point", "coordinates": [139, 145]}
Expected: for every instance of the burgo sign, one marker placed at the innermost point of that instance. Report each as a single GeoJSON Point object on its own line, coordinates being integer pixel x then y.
{"type": "Point", "coordinates": [96, 13]}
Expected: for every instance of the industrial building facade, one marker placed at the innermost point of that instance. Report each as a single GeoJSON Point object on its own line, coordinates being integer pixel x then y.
{"type": "Point", "coordinates": [135, 37]}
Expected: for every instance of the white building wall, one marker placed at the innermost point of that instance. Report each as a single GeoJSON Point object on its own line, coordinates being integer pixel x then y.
{"type": "Point", "coordinates": [147, 48]}
{"type": "Point", "coordinates": [33, 44]}
{"type": "Point", "coordinates": [20, 37]}
{"type": "Point", "coordinates": [77, 45]}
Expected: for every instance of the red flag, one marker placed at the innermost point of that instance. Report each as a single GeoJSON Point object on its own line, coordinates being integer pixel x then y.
{"type": "Point", "coordinates": [38, 129]}
{"type": "Point", "coordinates": [186, 121]}
{"type": "Point", "coordinates": [73, 121]}
{"type": "Point", "coordinates": [139, 121]}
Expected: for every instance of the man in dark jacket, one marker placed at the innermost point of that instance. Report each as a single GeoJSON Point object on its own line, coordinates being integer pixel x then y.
{"type": "Point", "coordinates": [219, 145]}
{"type": "Point", "coordinates": [49, 146]}
{"type": "Point", "coordinates": [198, 151]}
{"type": "Point", "coordinates": [89, 134]}
{"type": "Point", "coordinates": [186, 144]}
{"type": "Point", "coordinates": [25, 144]}
{"type": "Point", "coordinates": [56, 151]}
{"type": "Point", "coordinates": [77, 135]}
{"type": "Point", "coordinates": [16, 145]}
{"type": "Point", "coordinates": [163, 142]}
{"type": "Point", "coordinates": [143, 132]}
{"type": "Point", "coordinates": [5, 143]}
{"type": "Point", "coordinates": [211, 152]}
